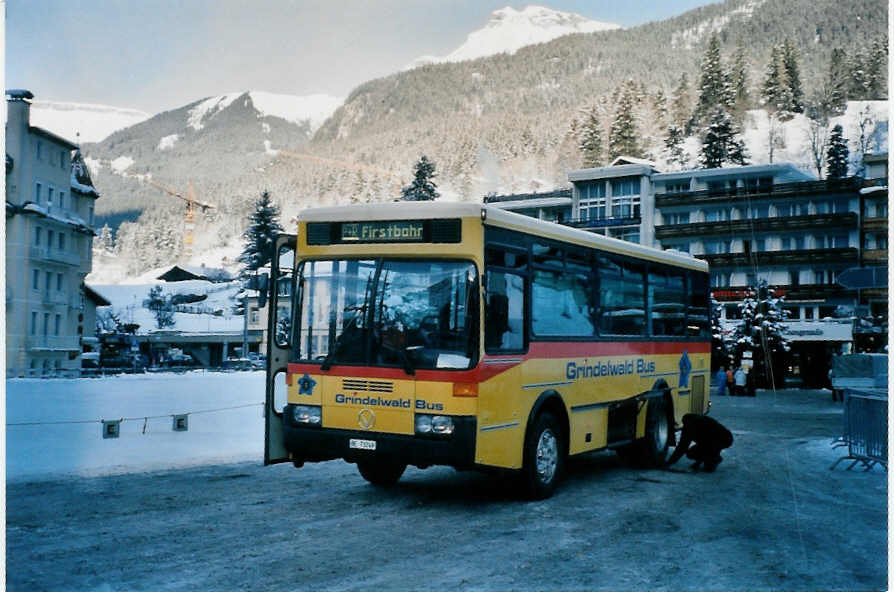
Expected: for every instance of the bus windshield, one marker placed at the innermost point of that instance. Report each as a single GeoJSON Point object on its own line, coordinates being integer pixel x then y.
{"type": "Point", "coordinates": [420, 314]}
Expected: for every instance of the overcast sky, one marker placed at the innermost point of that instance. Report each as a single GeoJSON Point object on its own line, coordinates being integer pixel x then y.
{"type": "Point", "coordinates": [156, 55]}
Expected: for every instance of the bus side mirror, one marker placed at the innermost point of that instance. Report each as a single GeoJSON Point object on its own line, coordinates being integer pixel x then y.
{"type": "Point", "coordinates": [259, 282]}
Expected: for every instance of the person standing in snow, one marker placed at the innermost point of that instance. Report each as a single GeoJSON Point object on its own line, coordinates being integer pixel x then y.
{"type": "Point", "coordinates": [707, 437]}
{"type": "Point", "coordinates": [740, 382]}
{"type": "Point", "coordinates": [720, 379]}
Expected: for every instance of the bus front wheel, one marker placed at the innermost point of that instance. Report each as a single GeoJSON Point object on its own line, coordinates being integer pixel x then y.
{"type": "Point", "coordinates": [651, 451]}
{"type": "Point", "coordinates": [544, 457]}
{"type": "Point", "coordinates": [383, 474]}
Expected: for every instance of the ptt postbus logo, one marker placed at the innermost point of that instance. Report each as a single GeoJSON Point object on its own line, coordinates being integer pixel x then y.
{"type": "Point", "coordinates": [577, 370]}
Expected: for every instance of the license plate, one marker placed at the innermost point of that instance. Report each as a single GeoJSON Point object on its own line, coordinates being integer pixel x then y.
{"type": "Point", "coordinates": [362, 444]}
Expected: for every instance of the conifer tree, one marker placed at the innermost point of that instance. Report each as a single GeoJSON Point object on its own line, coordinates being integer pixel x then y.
{"type": "Point", "coordinates": [659, 105]}
{"type": "Point", "coordinates": [761, 333]}
{"type": "Point", "coordinates": [720, 144]}
{"type": "Point", "coordinates": [795, 96]}
{"type": "Point", "coordinates": [423, 187]}
{"type": "Point", "coordinates": [837, 154]}
{"type": "Point", "coordinates": [739, 76]}
{"type": "Point", "coordinates": [161, 308]}
{"type": "Point", "coordinates": [260, 235]}
{"type": "Point", "coordinates": [773, 88]}
{"type": "Point", "coordinates": [591, 139]}
{"type": "Point", "coordinates": [106, 240]}
{"type": "Point", "coordinates": [674, 154]}
{"type": "Point", "coordinates": [623, 137]}
{"type": "Point", "coordinates": [714, 86]}
{"type": "Point", "coordinates": [836, 85]}
{"type": "Point", "coordinates": [681, 103]}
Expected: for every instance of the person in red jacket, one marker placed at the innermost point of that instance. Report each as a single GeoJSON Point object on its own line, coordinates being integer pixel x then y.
{"type": "Point", "coordinates": [707, 438]}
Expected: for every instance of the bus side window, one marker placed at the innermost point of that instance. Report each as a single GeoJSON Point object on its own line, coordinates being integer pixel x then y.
{"type": "Point", "coordinates": [697, 315]}
{"type": "Point", "coordinates": [504, 314]}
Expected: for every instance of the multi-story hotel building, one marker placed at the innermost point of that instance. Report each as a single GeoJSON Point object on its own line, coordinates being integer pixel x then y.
{"type": "Point", "coordinates": [49, 237]}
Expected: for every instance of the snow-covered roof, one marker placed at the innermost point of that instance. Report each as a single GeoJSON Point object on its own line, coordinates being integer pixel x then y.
{"type": "Point", "coordinates": [95, 296]}
{"type": "Point", "coordinates": [782, 172]}
{"type": "Point", "coordinates": [615, 170]}
{"type": "Point", "coordinates": [64, 217]}
{"type": "Point", "coordinates": [179, 273]}
{"type": "Point", "coordinates": [39, 131]}
{"type": "Point", "coordinates": [18, 94]}
{"type": "Point", "coordinates": [876, 189]}
{"type": "Point", "coordinates": [80, 176]}
{"type": "Point", "coordinates": [631, 160]}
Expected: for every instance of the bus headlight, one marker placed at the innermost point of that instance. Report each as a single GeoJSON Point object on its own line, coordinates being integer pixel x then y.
{"type": "Point", "coordinates": [434, 424]}
{"type": "Point", "coordinates": [307, 415]}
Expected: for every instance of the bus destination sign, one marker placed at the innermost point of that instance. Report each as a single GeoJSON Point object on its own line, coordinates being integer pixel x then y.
{"type": "Point", "coordinates": [399, 231]}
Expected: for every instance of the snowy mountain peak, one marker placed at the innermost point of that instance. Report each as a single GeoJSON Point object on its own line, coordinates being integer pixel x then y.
{"type": "Point", "coordinates": [508, 30]}
{"type": "Point", "coordinates": [313, 109]}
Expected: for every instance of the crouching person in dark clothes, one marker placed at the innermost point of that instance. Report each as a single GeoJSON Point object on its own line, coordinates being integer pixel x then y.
{"type": "Point", "coordinates": [707, 436]}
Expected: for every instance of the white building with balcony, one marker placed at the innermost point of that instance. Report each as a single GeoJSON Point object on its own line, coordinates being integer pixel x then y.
{"type": "Point", "coordinates": [49, 236]}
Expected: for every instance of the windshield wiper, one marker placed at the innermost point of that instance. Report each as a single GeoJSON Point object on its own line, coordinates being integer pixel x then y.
{"type": "Point", "coordinates": [405, 360]}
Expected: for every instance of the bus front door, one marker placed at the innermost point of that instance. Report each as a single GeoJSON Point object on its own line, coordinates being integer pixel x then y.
{"type": "Point", "coordinates": [279, 330]}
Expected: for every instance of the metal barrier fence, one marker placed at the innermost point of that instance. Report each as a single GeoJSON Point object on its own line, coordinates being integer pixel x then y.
{"type": "Point", "coordinates": [865, 429]}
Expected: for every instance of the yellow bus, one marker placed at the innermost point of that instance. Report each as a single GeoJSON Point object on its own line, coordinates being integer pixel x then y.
{"type": "Point", "coordinates": [464, 335]}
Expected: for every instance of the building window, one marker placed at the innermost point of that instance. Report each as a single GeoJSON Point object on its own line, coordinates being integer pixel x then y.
{"type": "Point", "coordinates": [46, 323]}
{"type": "Point", "coordinates": [760, 245]}
{"type": "Point", "coordinates": [760, 211]}
{"type": "Point", "coordinates": [50, 237]}
{"type": "Point", "coordinates": [625, 186]}
{"type": "Point", "coordinates": [34, 322]}
{"type": "Point", "coordinates": [39, 150]}
{"type": "Point", "coordinates": [840, 206]}
{"type": "Point", "coordinates": [62, 160]}
{"type": "Point", "coordinates": [62, 200]}
{"type": "Point", "coordinates": [37, 193]}
{"type": "Point", "coordinates": [625, 207]}
{"type": "Point", "coordinates": [37, 232]}
{"type": "Point", "coordinates": [881, 209]}
{"type": "Point", "coordinates": [592, 189]}
{"type": "Point", "coordinates": [808, 313]}
{"type": "Point", "coordinates": [50, 192]}
{"type": "Point", "coordinates": [794, 277]}
{"type": "Point", "coordinates": [35, 279]}
{"type": "Point", "coordinates": [59, 282]}
{"type": "Point", "coordinates": [680, 187]}
{"type": "Point", "coordinates": [61, 240]}
{"type": "Point", "coordinates": [720, 279]}
{"type": "Point", "coordinates": [717, 215]}
{"type": "Point", "coordinates": [717, 247]}
{"type": "Point", "coordinates": [717, 186]}
{"type": "Point", "coordinates": [593, 209]}
{"type": "Point", "coordinates": [49, 279]}
{"type": "Point", "coordinates": [676, 218]}
{"type": "Point", "coordinates": [90, 214]}
{"type": "Point", "coordinates": [57, 325]}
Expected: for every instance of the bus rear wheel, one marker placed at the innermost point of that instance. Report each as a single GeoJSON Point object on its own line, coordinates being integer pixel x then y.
{"type": "Point", "coordinates": [381, 473]}
{"type": "Point", "coordinates": [544, 457]}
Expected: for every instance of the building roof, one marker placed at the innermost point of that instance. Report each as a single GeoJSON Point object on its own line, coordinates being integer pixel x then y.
{"type": "Point", "coordinates": [615, 170]}
{"type": "Point", "coordinates": [39, 131]}
{"type": "Point", "coordinates": [181, 273]}
{"type": "Point", "coordinates": [95, 296]}
{"type": "Point", "coordinates": [783, 172]}
{"type": "Point", "coordinates": [631, 160]}
{"type": "Point", "coordinates": [80, 176]}
{"type": "Point", "coordinates": [520, 196]}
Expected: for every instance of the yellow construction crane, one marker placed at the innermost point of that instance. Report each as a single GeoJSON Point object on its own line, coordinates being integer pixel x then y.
{"type": "Point", "coordinates": [189, 217]}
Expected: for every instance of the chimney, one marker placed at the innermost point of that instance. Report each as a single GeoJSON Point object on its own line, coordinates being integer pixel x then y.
{"type": "Point", "coordinates": [18, 107]}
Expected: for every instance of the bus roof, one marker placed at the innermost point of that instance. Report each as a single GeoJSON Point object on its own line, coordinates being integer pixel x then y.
{"type": "Point", "coordinates": [494, 216]}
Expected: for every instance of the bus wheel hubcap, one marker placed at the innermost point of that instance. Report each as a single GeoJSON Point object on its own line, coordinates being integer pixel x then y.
{"type": "Point", "coordinates": [547, 456]}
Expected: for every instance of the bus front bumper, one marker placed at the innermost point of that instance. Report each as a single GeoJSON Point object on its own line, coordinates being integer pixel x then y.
{"type": "Point", "coordinates": [313, 444]}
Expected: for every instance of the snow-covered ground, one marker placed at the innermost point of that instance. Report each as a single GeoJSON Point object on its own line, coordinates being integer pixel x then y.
{"type": "Point", "coordinates": [47, 449]}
